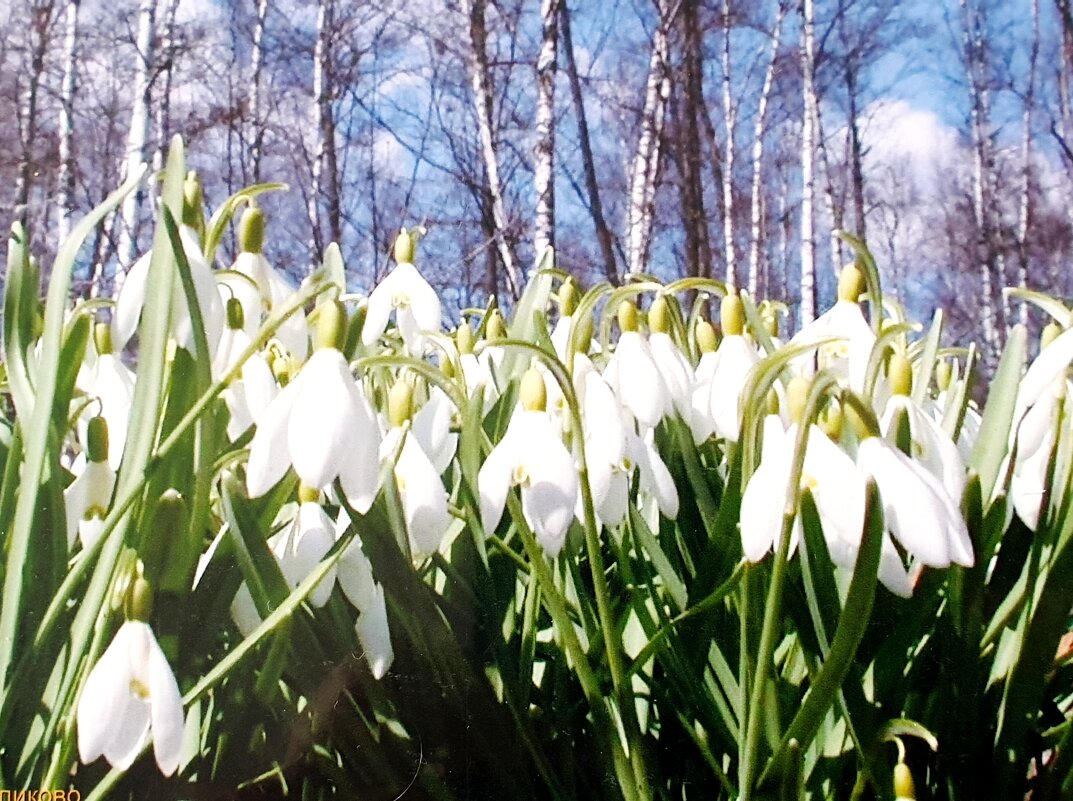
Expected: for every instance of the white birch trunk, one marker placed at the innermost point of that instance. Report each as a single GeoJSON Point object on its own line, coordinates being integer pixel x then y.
{"type": "Point", "coordinates": [755, 220]}
{"type": "Point", "coordinates": [320, 51]}
{"type": "Point", "coordinates": [1025, 210]}
{"type": "Point", "coordinates": [646, 160]}
{"type": "Point", "coordinates": [729, 120]}
{"type": "Point", "coordinates": [167, 50]}
{"type": "Point", "coordinates": [255, 132]}
{"type": "Point", "coordinates": [808, 155]}
{"type": "Point", "coordinates": [482, 98]}
{"type": "Point", "coordinates": [544, 151]}
{"type": "Point", "coordinates": [138, 135]}
{"type": "Point", "coordinates": [66, 177]}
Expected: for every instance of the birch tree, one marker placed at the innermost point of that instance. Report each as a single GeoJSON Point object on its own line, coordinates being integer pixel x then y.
{"type": "Point", "coordinates": [1024, 211]}
{"type": "Point", "coordinates": [544, 151]}
{"type": "Point", "coordinates": [808, 157]}
{"type": "Point", "coordinates": [28, 112]}
{"type": "Point", "coordinates": [324, 179]}
{"type": "Point", "coordinates": [255, 125]}
{"type": "Point", "coordinates": [168, 52]}
{"type": "Point", "coordinates": [730, 114]}
{"type": "Point", "coordinates": [65, 189]}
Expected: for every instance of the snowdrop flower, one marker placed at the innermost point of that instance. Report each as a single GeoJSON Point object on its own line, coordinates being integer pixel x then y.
{"type": "Point", "coordinates": [432, 429]}
{"type": "Point", "coordinates": [721, 375]}
{"type": "Point", "coordinates": [919, 511]}
{"type": "Point", "coordinates": [424, 499]}
{"type": "Point", "coordinates": [633, 374]}
{"type": "Point", "coordinates": [931, 447]}
{"type": "Point", "coordinates": [322, 424]}
{"type": "Point", "coordinates": [655, 481]}
{"type": "Point", "coordinates": [404, 291]}
{"type": "Point", "coordinates": [261, 287]}
{"type": "Point", "coordinates": [355, 575]}
{"type": "Point", "coordinates": [131, 298]}
{"type": "Point", "coordinates": [299, 547]}
{"type": "Point", "coordinates": [531, 456]}
{"type": "Point", "coordinates": [131, 695]}
{"type": "Point", "coordinates": [249, 395]}
{"type": "Point", "coordinates": [478, 371]}
{"type": "Point", "coordinates": [111, 383]}
{"type": "Point", "coordinates": [88, 498]}
{"type": "Point", "coordinates": [673, 367]}
{"type": "Point", "coordinates": [847, 358]}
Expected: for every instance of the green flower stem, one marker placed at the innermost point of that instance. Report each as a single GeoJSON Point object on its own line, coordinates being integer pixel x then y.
{"type": "Point", "coordinates": [773, 607]}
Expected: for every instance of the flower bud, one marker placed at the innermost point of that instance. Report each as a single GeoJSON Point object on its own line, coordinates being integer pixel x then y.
{"type": "Point", "coordinates": [496, 328]}
{"type": "Point", "coordinates": [140, 601]}
{"type": "Point", "coordinates": [850, 283]}
{"type": "Point", "coordinates": [97, 439]}
{"type": "Point", "coordinates": [193, 202]}
{"type": "Point", "coordinates": [464, 338]}
{"type": "Point", "coordinates": [251, 230]}
{"type": "Point", "coordinates": [797, 397]}
{"type": "Point", "coordinates": [853, 418]}
{"type": "Point", "coordinates": [732, 315]}
{"type": "Point", "coordinates": [405, 245]}
{"type": "Point", "coordinates": [659, 320]}
{"type": "Point", "coordinates": [583, 334]}
{"type": "Point", "coordinates": [704, 332]}
{"type": "Point", "coordinates": [900, 374]}
{"type": "Point", "coordinates": [532, 392]}
{"type": "Point", "coordinates": [772, 402]}
{"type": "Point", "coordinates": [944, 374]}
{"type": "Point", "coordinates": [281, 369]}
{"type": "Point", "coordinates": [1048, 334]}
{"type": "Point", "coordinates": [904, 789]}
{"type": "Point", "coordinates": [331, 324]}
{"type": "Point", "coordinates": [400, 402]}
{"type": "Point", "coordinates": [568, 297]}
{"type": "Point", "coordinates": [627, 316]}
{"type": "Point", "coordinates": [831, 421]}
{"type": "Point", "coordinates": [102, 338]}
{"type": "Point", "coordinates": [236, 318]}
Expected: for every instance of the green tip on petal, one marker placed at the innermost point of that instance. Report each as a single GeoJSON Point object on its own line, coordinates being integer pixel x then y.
{"type": "Point", "coordinates": [464, 338]}
{"type": "Point", "coordinates": [627, 316]}
{"type": "Point", "coordinates": [704, 332]}
{"type": "Point", "coordinates": [405, 245]}
{"type": "Point", "coordinates": [308, 494]}
{"type": "Point", "coordinates": [850, 283]}
{"type": "Point", "coordinates": [533, 393]}
{"type": "Point", "coordinates": [102, 338]}
{"type": "Point", "coordinates": [251, 230]}
{"type": "Point", "coordinates": [97, 439]}
{"type": "Point", "coordinates": [732, 315]}
{"type": "Point", "coordinates": [400, 402]}
{"type": "Point", "coordinates": [236, 318]}
{"type": "Point", "coordinates": [1049, 333]}
{"type": "Point", "coordinates": [331, 324]}
{"type": "Point", "coordinates": [568, 297]}
{"type": "Point", "coordinates": [140, 601]}
{"type": "Point", "coordinates": [900, 374]}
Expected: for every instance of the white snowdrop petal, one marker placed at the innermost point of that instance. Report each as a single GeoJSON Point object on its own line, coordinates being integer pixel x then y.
{"type": "Point", "coordinates": [269, 451]}
{"type": "Point", "coordinates": [322, 419]}
{"type": "Point", "coordinates": [129, 302]}
{"type": "Point", "coordinates": [375, 636]}
{"type": "Point", "coordinates": [166, 710]}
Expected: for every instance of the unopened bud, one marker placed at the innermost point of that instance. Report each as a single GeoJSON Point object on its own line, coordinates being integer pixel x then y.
{"type": "Point", "coordinates": [1049, 333]}
{"type": "Point", "coordinates": [705, 336]}
{"type": "Point", "coordinates": [772, 402]}
{"type": "Point", "coordinates": [496, 328]}
{"type": "Point", "coordinates": [464, 338]}
{"type": "Point", "coordinates": [404, 247]}
{"type": "Point", "coordinates": [583, 334]}
{"type": "Point", "coordinates": [852, 417]}
{"type": "Point", "coordinates": [627, 316]}
{"type": "Point", "coordinates": [732, 315]}
{"type": "Point", "coordinates": [140, 601]}
{"type": "Point", "coordinates": [904, 789]}
{"type": "Point", "coordinates": [236, 318]}
{"type": "Point", "coordinates": [193, 202]}
{"type": "Point", "coordinates": [659, 317]}
{"type": "Point", "coordinates": [831, 421]}
{"type": "Point", "coordinates": [944, 374]}
{"type": "Point", "coordinates": [900, 374]}
{"type": "Point", "coordinates": [400, 402]}
{"type": "Point", "coordinates": [850, 283]}
{"type": "Point", "coordinates": [97, 439]}
{"type": "Point", "coordinates": [251, 230]}
{"type": "Point", "coordinates": [532, 392]}
{"type": "Point", "coordinates": [102, 338]}
{"type": "Point", "coordinates": [331, 324]}
{"type": "Point", "coordinates": [568, 297]}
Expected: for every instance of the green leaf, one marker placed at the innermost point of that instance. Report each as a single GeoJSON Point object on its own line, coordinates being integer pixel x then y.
{"type": "Point", "coordinates": [990, 449]}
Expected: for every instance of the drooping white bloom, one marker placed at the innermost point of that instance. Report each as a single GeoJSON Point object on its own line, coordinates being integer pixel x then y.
{"type": "Point", "coordinates": [432, 429]}
{"type": "Point", "coordinates": [837, 488]}
{"type": "Point", "coordinates": [356, 579]}
{"type": "Point", "coordinates": [128, 308]}
{"type": "Point", "coordinates": [111, 383]}
{"type": "Point", "coordinates": [847, 358]}
{"type": "Point", "coordinates": [266, 289]}
{"type": "Point", "coordinates": [423, 496]}
{"type": "Point", "coordinates": [298, 547]}
{"type": "Point", "coordinates": [323, 425]}
{"type": "Point", "coordinates": [414, 301]}
{"type": "Point", "coordinates": [249, 395]}
{"type": "Point", "coordinates": [637, 381]}
{"type": "Point", "coordinates": [676, 372]}
{"type": "Point", "coordinates": [87, 500]}
{"type": "Point", "coordinates": [131, 695]}
{"type": "Point", "coordinates": [531, 456]}
{"type": "Point", "coordinates": [919, 512]}
{"type": "Point", "coordinates": [655, 480]}
{"type": "Point", "coordinates": [716, 399]}
{"type": "Point", "coordinates": [931, 446]}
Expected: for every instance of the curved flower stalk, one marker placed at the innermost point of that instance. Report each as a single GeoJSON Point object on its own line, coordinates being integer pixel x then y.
{"type": "Point", "coordinates": [531, 456]}
{"type": "Point", "coordinates": [322, 424]}
{"type": "Point", "coordinates": [298, 547]}
{"type": "Point", "coordinates": [721, 375]}
{"type": "Point", "coordinates": [355, 575]}
{"type": "Point", "coordinates": [131, 298]}
{"type": "Point", "coordinates": [88, 498]}
{"type": "Point", "coordinates": [111, 383]}
{"type": "Point", "coordinates": [261, 287]}
{"type": "Point", "coordinates": [406, 293]}
{"type": "Point", "coordinates": [129, 697]}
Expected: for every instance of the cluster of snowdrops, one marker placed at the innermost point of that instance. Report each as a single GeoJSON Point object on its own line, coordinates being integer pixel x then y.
{"type": "Point", "coordinates": [327, 400]}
